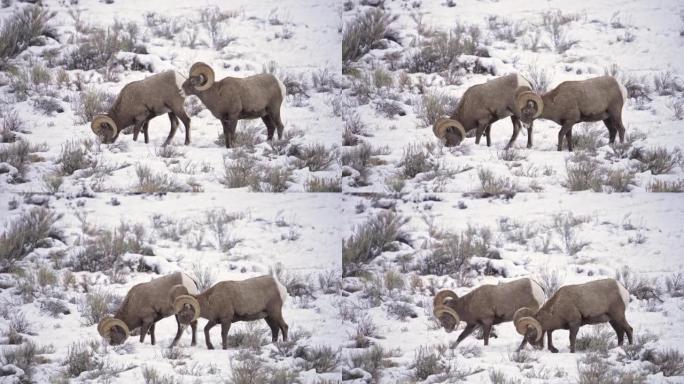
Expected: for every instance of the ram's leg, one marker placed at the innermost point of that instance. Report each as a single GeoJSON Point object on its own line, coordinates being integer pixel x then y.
{"type": "Point", "coordinates": [186, 123]}
{"type": "Point", "coordinates": [208, 328]}
{"type": "Point", "coordinates": [622, 323]}
{"type": "Point", "coordinates": [179, 332]}
{"type": "Point", "coordinates": [516, 131]}
{"type": "Point", "coordinates": [550, 340]}
{"type": "Point", "coordinates": [284, 328]}
{"type": "Point", "coordinates": [174, 126]}
{"type": "Point", "coordinates": [278, 316]}
{"type": "Point", "coordinates": [225, 327]}
{"type": "Point", "coordinates": [193, 326]}
{"type": "Point", "coordinates": [478, 132]}
{"type": "Point", "coordinates": [145, 132]}
{"type": "Point", "coordinates": [488, 133]}
{"type": "Point", "coordinates": [629, 330]}
{"type": "Point", "coordinates": [486, 330]}
{"type": "Point", "coordinates": [466, 332]}
{"type": "Point", "coordinates": [618, 331]}
{"type": "Point", "coordinates": [229, 131]}
{"type": "Point", "coordinates": [565, 133]}
{"type": "Point", "coordinates": [612, 131]}
{"type": "Point", "coordinates": [270, 126]}
{"type": "Point", "coordinates": [617, 119]}
{"type": "Point", "coordinates": [522, 344]}
{"type": "Point", "coordinates": [152, 338]}
{"type": "Point", "coordinates": [529, 134]}
{"type": "Point", "coordinates": [278, 122]}
{"type": "Point", "coordinates": [568, 138]}
{"type": "Point", "coordinates": [274, 328]}
{"type": "Point", "coordinates": [136, 129]}
{"type": "Point", "coordinates": [144, 329]}
{"type": "Point", "coordinates": [574, 328]}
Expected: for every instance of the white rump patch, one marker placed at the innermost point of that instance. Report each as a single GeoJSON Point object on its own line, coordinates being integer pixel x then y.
{"type": "Point", "coordinates": [189, 284]}
{"type": "Point", "coordinates": [624, 294]}
{"type": "Point", "coordinates": [283, 92]}
{"type": "Point", "coordinates": [537, 293]}
{"type": "Point", "coordinates": [522, 82]}
{"type": "Point", "coordinates": [180, 79]}
{"type": "Point", "coordinates": [282, 291]}
{"type": "Point", "coordinates": [623, 91]}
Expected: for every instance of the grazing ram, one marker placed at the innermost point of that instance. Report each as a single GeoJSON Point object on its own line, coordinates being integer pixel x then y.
{"type": "Point", "coordinates": [231, 301]}
{"type": "Point", "coordinates": [486, 305]}
{"type": "Point", "coordinates": [483, 104]}
{"type": "Point", "coordinates": [140, 101]}
{"type": "Point", "coordinates": [144, 305]}
{"type": "Point", "coordinates": [597, 99]}
{"type": "Point", "coordinates": [573, 306]}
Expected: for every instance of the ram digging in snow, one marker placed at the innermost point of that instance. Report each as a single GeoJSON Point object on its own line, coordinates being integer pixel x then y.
{"type": "Point", "coordinates": [140, 101]}
{"type": "Point", "coordinates": [486, 305]}
{"type": "Point", "coordinates": [573, 306]}
{"type": "Point", "coordinates": [572, 102]}
{"type": "Point", "coordinates": [144, 305]}
{"type": "Point", "coordinates": [483, 104]}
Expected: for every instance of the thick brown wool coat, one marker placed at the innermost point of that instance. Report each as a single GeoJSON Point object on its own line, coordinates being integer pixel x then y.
{"type": "Point", "coordinates": [597, 99]}
{"type": "Point", "coordinates": [246, 300]}
{"type": "Point", "coordinates": [232, 99]}
{"type": "Point", "coordinates": [488, 305]}
{"type": "Point", "coordinates": [140, 101]}
{"type": "Point", "coordinates": [147, 303]}
{"type": "Point", "coordinates": [483, 104]}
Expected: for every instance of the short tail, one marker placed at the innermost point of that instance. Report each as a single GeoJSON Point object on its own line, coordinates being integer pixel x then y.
{"type": "Point", "coordinates": [623, 91]}
{"type": "Point", "coordinates": [624, 293]}
{"type": "Point", "coordinates": [283, 90]}
{"type": "Point", "coordinates": [282, 290]}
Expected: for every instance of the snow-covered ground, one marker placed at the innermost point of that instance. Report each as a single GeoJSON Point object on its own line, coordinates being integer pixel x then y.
{"type": "Point", "coordinates": [112, 216]}
{"type": "Point", "coordinates": [83, 221]}
{"type": "Point", "coordinates": [505, 43]}
{"type": "Point", "coordinates": [293, 234]}
{"type": "Point", "coordinates": [247, 40]}
{"type": "Point", "coordinates": [527, 238]}
{"type": "Point", "coordinates": [456, 218]}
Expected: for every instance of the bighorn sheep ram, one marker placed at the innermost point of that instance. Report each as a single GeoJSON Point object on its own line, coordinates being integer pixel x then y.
{"type": "Point", "coordinates": [486, 305]}
{"type": "Point", "coordinates": [483, 104]}
{"type": "Point", "coordinates": [232, 99]}
{"type": "Point", "coordinates": [144, 305]}
{"type": "Point", "coordinates": [231, 301]}
{"type": "Point", "coordinates": [573, 306]}
{"type": "Point", "coordinates": [571, 102]}
{"type": "Point", "coordinates": [142, 100]}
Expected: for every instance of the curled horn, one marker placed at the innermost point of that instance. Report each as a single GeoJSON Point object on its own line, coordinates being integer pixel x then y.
{"type": "Point", "coordinates": [180, 301]}
{"type": "Point", "coordinates": [439, 308]}
{"type": "Point", "coordinates": [525, 97]}
{"type": "Point", "coordinates": [443, 124]}
{"type": "Point", "coordinates": [525, 322]}
{"type": "Point", "coordinates": [522, 312]}
{"type": "Point", "coordinates": [442, 309]}
{"type": "Point", "coordinates": [205, 73]}
{"type": "Point", "coordinates": [442, 295]}
{"type": "Point", "coordinates": [106, 324]}
{"type": "Point", "coordinates": [96, 124]}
